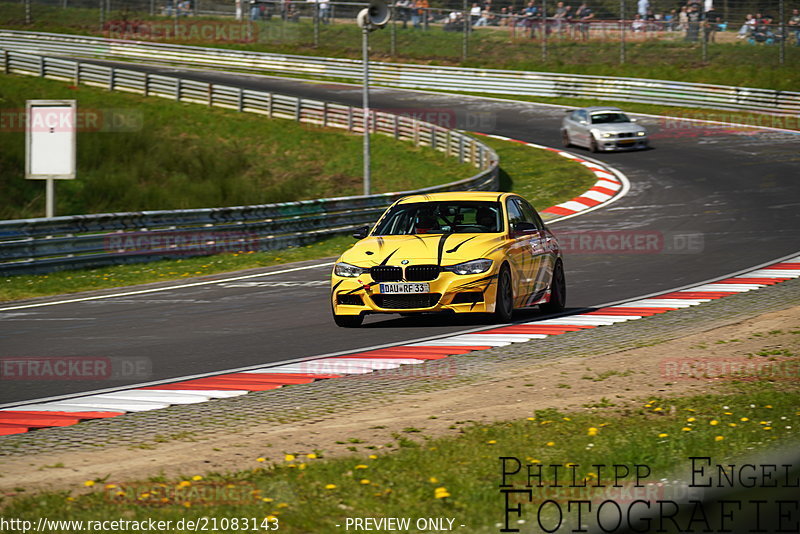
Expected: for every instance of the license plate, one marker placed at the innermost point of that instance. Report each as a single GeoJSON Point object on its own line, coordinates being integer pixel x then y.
{"type": "Point", "coordinates": [405, 288]}
{"type": "Point", "coordinates": [627, 142]}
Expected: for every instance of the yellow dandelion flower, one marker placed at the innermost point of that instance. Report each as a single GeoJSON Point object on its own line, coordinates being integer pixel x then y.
{"type": "Point", "coordinates": [492, 441]}
{"type": "Point", "coordinates": [267, 499]}
{"type": "Point", "coordinates": [362, 466]}
{"type": "Point", "coordinates": [732, 424]}
{"type": "Point", "coordinates": [197, 477]}
{"type": "Point", "coordinates": [690, 419]}
{"type": "Point", "coordinates": [763, 423]}
{"type": "Point", "coordinates": [441, 493]}
{"type": "Point", "coordinates": [550, 443]}
{"type": "Point", "coordinates": [567, 419]}
{"type": "Point", "coordinates": [330, 486]}
{"type": "Point", "coordinates": [89, 483]}
{"type": "Point", "coordinates": [120, 494]}
{"type": "Point", "coordinates": [433, 480]}
{"type": "Point", "coordinates": [311, 456]}
{"type": "Point", "coordinates": [744, 419]}
{"type": "Point", "coordinates": [663, 435]}
{"type": "Point", "coordinates": [301, 466]}
{"type": "Point", "coordinates": [261, 459]}
{"type": "Point", "coordinates": [686, 429]}
{"type": "Point", "coordinates": [283, 505]}
{"type": "Point", "coordinates": [767, 428]}
{"type": "Point", "coordinates": [184, 484]}
{"type": "Point", "coordinates": [111, 486]}
{"type": "Point", "coordinates": [270, 518]}
{"type": "Point", "coordinates": [658, 409]}
{"type": "Point", "coordinates": [531, 419]}
{"type": "Point", "coordinates": [728, 413]}
{"type": "Point", "coordinates": [768, 406]}
{"type": "Point", "coordinates": [719, 438]}
{"type": "Point", "coordinates": [592, 431]}
{"type": "Point", "coordinates": [713, 422]}
{"type": "Point", "coordinates": [364, 481]}
{"type": "Point", "coordinates": [533, 460]}
{"type": "Point", "coordinates": [187, 504]}
{"type": "Point", "coordinates": [289, 457]}
{"type": "Point", "coordinates": [648, 405]}
{"type": "Point", "coordinates": [70, 499]}
{"type": "Point", "coordinates": [373, 457]}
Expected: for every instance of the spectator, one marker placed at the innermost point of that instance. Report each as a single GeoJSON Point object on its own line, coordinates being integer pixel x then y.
{"type": "Point", "coordinates": [475, 13]}
{"type": "Point", "coordinates": [529, 16]}
{"type": "Point", "coordinates": [403, 8]}
{"type": "Point", "coordinates": [638, 24]}
{"type": "Point", "coordinates": [584, 16]}
{"type": "Point", "coordinates": [671, 20]}
{"type": "Point", "coordinates": [683, 19]}
{"type": "Point", "coordinates": [560, 17]}
{"type": "Point", "coordinates": [711, 22]}
{"type": "Point", "coordinates": [794, 25]}
{"type": "Point", "coordinates": [422, 12]}
{"type": "Point", "coordinates": [255, 10]}
{"type": "Point", "coordinates": [747, 27]}
{"type": "Point", "coordinates": [693, 30]}
{"type": "Point", "coordinates": [642, 7]}
{"type": "Point", "coordinates": [483, 20]}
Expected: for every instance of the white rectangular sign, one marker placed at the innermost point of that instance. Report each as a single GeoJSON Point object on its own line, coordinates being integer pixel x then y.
{"type": "Point", "coordinates": [50, 139]}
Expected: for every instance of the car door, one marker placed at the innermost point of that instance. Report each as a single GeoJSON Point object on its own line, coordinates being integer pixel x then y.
{"type": "Point", "coordinates": [526, 249]}
{"type": "Point", "coordinates": [582, 127]}
{"type": "Point", "coordinates": [543, 245]}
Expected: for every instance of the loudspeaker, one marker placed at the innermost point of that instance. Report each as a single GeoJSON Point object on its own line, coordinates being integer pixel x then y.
{"type": "Point", "coordinates": [375, 16]}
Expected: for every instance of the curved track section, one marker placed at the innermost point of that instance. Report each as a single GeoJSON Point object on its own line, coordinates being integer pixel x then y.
{"type": "Point", "coordinates": [717, 200]}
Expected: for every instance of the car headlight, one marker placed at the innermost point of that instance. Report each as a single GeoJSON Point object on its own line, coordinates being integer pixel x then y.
{"type": "Point", "coordinates": [605, 135]}
{"type": "Point", "coordinates": [348, 271]}
{"type": "Point", "coordinates": [641, 134]}
{"type": "Point", "coordinates": [470, 267]}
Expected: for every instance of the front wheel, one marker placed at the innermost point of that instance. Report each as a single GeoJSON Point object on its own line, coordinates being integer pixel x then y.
{"type": "Point", "coordinates": [565, 140]}
{"type": "Point", "coordinates": [558, 291]}
{"type": "Point", "coordinates": [504, 302]}
{"type": "Point", "coordinates": [593, 145]}
{"type": "Point", "coordinates": [348, 321]}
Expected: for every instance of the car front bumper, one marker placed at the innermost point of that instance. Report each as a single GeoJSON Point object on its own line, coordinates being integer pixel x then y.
{"type": "Point", "coordinates": [449, 292]}
{"type": "Point", "coordinates": [625, 143]}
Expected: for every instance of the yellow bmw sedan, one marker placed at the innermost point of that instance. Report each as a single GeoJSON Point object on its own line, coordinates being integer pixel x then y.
{"type": "Point", "coordinates": [462, 252]}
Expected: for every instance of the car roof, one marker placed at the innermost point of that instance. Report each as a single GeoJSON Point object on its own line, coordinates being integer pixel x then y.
{"type": "Point", "coordinates": [485, 196]}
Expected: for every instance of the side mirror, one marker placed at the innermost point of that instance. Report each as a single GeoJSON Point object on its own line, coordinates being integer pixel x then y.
{"type": "Point", "coordinates": [584, 122]}
{"type": "Point", "coordinates": [361, 233]}
{"type": "Point", "coordinates": [524, 228]}
{"type": "Point", "coordinates": [633, 120]}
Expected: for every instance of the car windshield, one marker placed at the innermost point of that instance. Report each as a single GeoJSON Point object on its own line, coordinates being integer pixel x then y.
{"type": "Point", "coordinates": [450, 217]}
{"type": "Point", "coordinates": [609, 117]}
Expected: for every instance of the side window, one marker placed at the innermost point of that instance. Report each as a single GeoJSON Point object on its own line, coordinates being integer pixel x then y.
{"type": "Point", "coordinates": [582, 116]}
{"type": "Point", "coordinates": [530, 214]}
{"type": "Point", "coordinates": [514, 213]}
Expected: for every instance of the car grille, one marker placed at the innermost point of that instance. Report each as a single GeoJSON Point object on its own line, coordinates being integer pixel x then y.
{"type": "Point", "coordinates": [405, 302]}
{"type": "Point", "coordinates": [626, 134]}
{"type": "Point", "coordinates": [469, 297]}
{"type": "Point", "coordinates": [384, 273]}
{"type": "Point", "coordinates": [422, 273]}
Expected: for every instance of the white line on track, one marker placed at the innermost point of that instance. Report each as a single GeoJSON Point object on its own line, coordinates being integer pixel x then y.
{"type": "Point", "coordinates": [167, 288]}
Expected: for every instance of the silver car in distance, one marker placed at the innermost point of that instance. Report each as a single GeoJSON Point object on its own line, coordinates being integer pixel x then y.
{"type": "Point", "coordinates": [602, 129]}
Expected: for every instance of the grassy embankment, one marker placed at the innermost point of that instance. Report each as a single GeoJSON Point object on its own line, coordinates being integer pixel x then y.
{"type": "Point", "coordinates": [185, 156]}
{"type": "Point", "coordinates": [458, 477]}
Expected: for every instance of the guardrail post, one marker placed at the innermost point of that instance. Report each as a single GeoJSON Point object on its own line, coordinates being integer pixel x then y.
{"type": "Point", "coordinates": [324, 114]}
{"type": "Point", "coordinates": [178, 89]}
{"type": "Point", "coordinates": [461, 149]}
{"type": "Point", "coordinates": [146, 84]}
{"type": "Point", "coordinates": [42, 68]}
{"type": "Point", "coordinates": [77, 75]}
{"type": "Point", "coordinates": [433, 137]}
{"type": "Point", "coordinates": [416, 133]}
{"type": "Point", "coordinates": [210, 95]}
{"type": "Point", "coordinates": [111, 75]}
{"type": "Point", "coordinates": [269, 105]}
{"type": "Point", "coordinates": [240, 102]}
{"type": "Point", "coordinates": [396, 126]}
{"type": "Point", "coordinates": [449, 140]}
{"type": "Point", "coordinates": [350, 119]}
{"type": "Point", "coordinates": [298, 110]}
{"type": "Point", "coordinates": [5, 61]}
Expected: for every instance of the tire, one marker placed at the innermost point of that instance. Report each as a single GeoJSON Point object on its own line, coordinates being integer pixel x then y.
{"type": "Point", "coordinates": [558, 291]}
{"type": "Point", "coordinates": [593, 145]}
{"type": "Point", "coordinates": [348, 321]}
{"type": "Point", "coordinates": [565, 139]}
{"type": "Point", "coordinates": [504, 301]}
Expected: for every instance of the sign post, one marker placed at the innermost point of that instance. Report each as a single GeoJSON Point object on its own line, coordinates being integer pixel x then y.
{"type": "Point", "coordinates": [50, 141]}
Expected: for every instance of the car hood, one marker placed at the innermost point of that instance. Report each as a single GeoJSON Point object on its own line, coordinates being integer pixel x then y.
{"type": "Point", "coordinates": [423, 249]}
{"type": "Point", "coordinates": [618, 127]}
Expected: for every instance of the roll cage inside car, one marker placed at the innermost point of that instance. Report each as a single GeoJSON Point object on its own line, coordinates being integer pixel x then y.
{"type": "Point", "coordinates": [445, 217]}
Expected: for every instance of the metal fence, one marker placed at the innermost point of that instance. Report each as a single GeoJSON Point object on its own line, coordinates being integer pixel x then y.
{"type": "Point", "coordinates": [542, 84]}
{"type": "Point", "coordinates": [40, 245]}
{"type": "Point", "coordinates": [549, 29]}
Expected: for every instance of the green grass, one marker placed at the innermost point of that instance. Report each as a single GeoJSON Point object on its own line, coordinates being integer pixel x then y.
{"type": "Point", "coordinates": [192, 156]}
{"type": "Point", "coordinates": [309, 494]}
{"type": "Point", "coordinates": [729, 63]}
{"type": "Point", "coordinates": [545, 178]}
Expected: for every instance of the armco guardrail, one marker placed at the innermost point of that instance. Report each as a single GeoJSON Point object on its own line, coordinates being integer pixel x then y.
{"type": "Point", "coordinates": [40, 245]}
{"type": "Point", "coordinates": [543, 84]}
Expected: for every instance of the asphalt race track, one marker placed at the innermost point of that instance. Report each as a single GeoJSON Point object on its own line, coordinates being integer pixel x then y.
{"type": "Point", "coordinates": [718, 199]}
